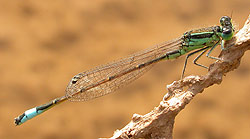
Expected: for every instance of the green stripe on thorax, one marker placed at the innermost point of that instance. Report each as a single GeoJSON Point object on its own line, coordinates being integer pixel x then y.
{"type": "Point", "coordinates": [199, 38]}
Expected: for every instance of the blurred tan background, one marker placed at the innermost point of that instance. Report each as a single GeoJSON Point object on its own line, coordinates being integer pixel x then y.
{"type": "Point", "coordinates": [44, 43]}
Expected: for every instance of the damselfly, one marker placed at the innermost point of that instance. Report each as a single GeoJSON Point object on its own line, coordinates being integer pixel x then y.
{"type": "Point", "coordinates": [107, 78]}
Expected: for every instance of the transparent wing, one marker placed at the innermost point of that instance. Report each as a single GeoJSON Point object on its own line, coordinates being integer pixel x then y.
{"type": "Point", "coordinates": [97, 81]}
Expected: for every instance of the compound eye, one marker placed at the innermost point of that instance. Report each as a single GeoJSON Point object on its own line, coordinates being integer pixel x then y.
{"type": "Point", "coordinates": [225, 21]}
{"type": "Point", "coordinates": [227, 31]}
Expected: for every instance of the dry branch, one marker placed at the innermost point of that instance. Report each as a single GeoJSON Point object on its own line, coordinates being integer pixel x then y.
{"type": "Point", "coordinates": [159, 122]}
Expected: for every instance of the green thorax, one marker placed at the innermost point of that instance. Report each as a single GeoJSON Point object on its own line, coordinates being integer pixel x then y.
{"type": "Point", "coordinates": [199, 38]}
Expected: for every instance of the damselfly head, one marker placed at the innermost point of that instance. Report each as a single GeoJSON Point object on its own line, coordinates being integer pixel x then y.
{"type": "Point", "coordinates": [227, 28]}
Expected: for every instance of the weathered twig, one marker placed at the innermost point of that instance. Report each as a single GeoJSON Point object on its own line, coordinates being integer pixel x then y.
{"type": "Point", "coordinates": [159, 122]}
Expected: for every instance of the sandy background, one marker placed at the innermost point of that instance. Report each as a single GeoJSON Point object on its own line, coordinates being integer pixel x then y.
{"type": "Point", "coordinates": [44, 43]}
